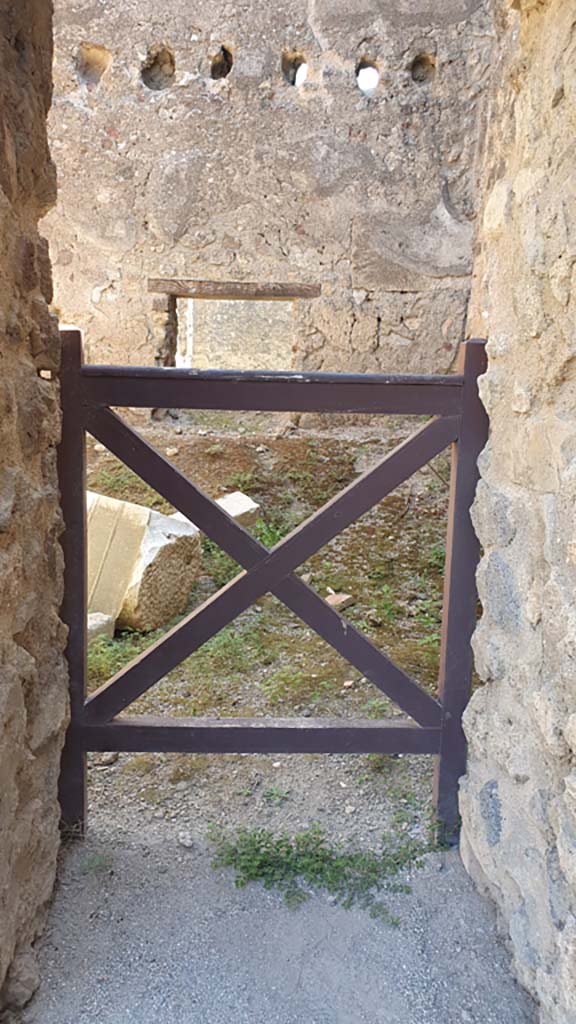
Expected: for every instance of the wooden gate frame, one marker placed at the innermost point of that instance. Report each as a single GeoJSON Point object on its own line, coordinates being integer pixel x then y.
{"type": "Point", "coordinates": [459, 421]}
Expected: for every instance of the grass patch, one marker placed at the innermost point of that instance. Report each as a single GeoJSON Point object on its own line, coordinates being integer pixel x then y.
{"type": "Point", "coordinates": [275, 795]}
{"type": "Point", "coordinates": [378, 707]}
{"type": "Point", "coordinates": [113, 478]}
{"type": "Point", "coordinates": [186, 766]}
{"type": "Point", "coordinates": [386, 606]}
{"type": "Point", "coordinates": [217, 564]}
{"type": "Point", "coordinates": [290, 686]}
{"type": "Point", "coordinates": [141, 764]}
{"type": "Point", "coordinates": [106, 657]}
{"type": "Point", "coordinates": [307, 861]}
{"type": "Point", "coordinates": [97, 864]}
{"type": "Point", "coordinates": [246, 480]}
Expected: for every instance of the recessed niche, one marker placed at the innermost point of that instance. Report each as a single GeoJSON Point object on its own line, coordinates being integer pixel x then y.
{"type": "Point", "coordinates": [159, 68]}
{"type": "Point", "coordinates": [294, 67]}
{"type": "Point", "coordinates": [367, 76]}
{"type": "Point", "coordinates": [222, 63]}
{"type": "Point", "coordinates": [92, 63]}
{"type": "Point", "coordinates": [423, 68]}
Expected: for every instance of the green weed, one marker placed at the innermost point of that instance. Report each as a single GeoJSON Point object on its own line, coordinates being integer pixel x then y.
{"type": "Point", "coordinates": [106, 657]}
{"type": "Point", "coordinates": [290, 686]}
{"type": "Point", "coordinates": [377, 707]}
{"type": "Point", "coordinates": [115, 480]}
{"type": "Point", "coordinates": [295, 864]}
{"type": "Point", "coordinates": [246, 480]}
{"type": "Point", "coordinates": [217, 564]}
{"type": "Point", "coordinates": [386, 604]}
{"type": "Point", "coordinates": [215, 449]}
{"type": "Point", "coordinates": [269, 532]}
{"type": "Point", "coordinates": [436, 555]}
{"type": "Point", "coordinates": [275, 795]}
{"type": "Point", "coordinates": [97, 864]}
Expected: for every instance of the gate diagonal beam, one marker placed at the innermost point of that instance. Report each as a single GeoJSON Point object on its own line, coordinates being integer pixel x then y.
{"type": "Point", "coordinates": [265, 568]}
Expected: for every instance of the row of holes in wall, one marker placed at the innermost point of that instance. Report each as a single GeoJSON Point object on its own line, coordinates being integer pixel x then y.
{"type": "Point", "coordinates": [159, 68]}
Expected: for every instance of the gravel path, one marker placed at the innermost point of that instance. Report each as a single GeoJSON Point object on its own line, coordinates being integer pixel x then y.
{"type": "Point", "coordinates": [144, 930]}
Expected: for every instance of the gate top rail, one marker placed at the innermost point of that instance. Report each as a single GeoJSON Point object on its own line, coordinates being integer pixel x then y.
{"type": "Point", "coordinates": [276, 391]}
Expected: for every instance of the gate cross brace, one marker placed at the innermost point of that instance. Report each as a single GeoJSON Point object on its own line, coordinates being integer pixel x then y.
{"type": "Point", "coordinates": [267, 570]}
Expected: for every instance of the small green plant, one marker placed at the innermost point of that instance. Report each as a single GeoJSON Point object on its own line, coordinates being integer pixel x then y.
{"type": "Point", "coordinates": [293, 687]}
{"type": "Point", "coordinates": [285, 684]}
{"type": "Point", "coordinates": [141, 764]}
{"type": "Point", "coordinates": [386, 604]}
{"type": "Point", "coordinates": [106, 657]}
{"type": "Point", "coordinates": [296, 864]}
{"type": "Point", "coordinates": [269, 533]}
{"type": "Point", "coordinates": [377, 707]}
{"type": "Point", "coordinates": [275, 795]}
{"type": "Point", "coordinates": [246, 480]}
{"type": "Point", "coordinates": [185, 766]}
{"type": "Point", "coordinates": [382, 764]}
{"type": "Point", "coordinates": [436, 557]}
{"type": "Point", "coordinates": [114, 479]}
{"type": "Point", "coordinates": [217, 563]}
{"type": "Point", "coordinates": [429, 611]}
{"type": "Point", "coordinates": [97, 864]}
{"type": "Point", "coordinates": [214, 450]}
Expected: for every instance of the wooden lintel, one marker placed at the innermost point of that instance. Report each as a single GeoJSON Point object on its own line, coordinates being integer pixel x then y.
{"type": "Point", "coordinates": [229, 290]}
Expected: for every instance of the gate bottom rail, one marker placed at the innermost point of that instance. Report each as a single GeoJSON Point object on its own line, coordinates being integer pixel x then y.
{"type": "Point", "coordinates": [259, 736]}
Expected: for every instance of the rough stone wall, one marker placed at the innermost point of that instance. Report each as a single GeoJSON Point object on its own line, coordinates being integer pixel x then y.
{"type": "Point", "coordinates": [32, 672]}
{"type": "Point", "coordinates": [166, 171]}
{"type": "Point", "coordinates": [519, 798]}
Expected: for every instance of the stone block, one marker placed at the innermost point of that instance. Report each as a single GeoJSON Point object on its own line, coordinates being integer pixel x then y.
{"type": "Point", "coordinates": [115, 533]}
{"type": "Point", "coordinates": [100, 625]}
{"type": "Point", "coordinates": [238, 505]}
{"type": "Point", "coordinates": [141, 564]}
{"type": "Point", "coordinates": [339, 601]}
{"type": "Point", "coordinates": [163, 575]}
{"type": "Point", "coordinates": [241, 508]}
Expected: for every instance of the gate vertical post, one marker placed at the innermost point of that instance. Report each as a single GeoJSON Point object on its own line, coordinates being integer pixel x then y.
{"type": "Point", "coordinates": [72, 480]}
{"type": "Point", "coordinates": [460, 594]}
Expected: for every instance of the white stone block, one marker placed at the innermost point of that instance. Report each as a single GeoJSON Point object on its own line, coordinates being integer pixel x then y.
{"type": "Point", "coordinates": [238, 505]}
{"type": "Point", "coordinates": [167, 567]}
{"type": "Point", "coordinates": [142, 565]}
{"type": "Point", "coordinates": [100, 625]}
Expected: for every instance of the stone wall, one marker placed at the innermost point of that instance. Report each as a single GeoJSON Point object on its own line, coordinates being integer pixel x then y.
{"type": "Point", "coordinates": [32, 671]}
{"type": "Point", "coordinates": [168, 171]}
{"type": "Point", "coordinates": [519, 798]}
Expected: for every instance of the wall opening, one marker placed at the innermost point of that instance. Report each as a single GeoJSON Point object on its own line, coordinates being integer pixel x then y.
{"type": "Point", "coordinates": [294, 67]}
{"type": "Point", "coordinates": [235, 335]}
{"type": "Point", "coordinates": [367, 76]}
{"type": "Point", "coordinates": [92, 63]}
{"type": "Point", "coordinates": [159, 68]}
{"type": "Point", "coordinates": [423, 68]}
{"type": "Point", "coordinates": [221, 65]}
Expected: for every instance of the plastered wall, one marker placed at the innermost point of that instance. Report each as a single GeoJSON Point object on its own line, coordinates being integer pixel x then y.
{"type": "Point", "coordinates": [167, 171]}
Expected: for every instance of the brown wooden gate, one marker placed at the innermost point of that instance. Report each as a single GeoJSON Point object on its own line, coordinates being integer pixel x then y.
{"type": "Point", "coordinates": [458, 420]}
